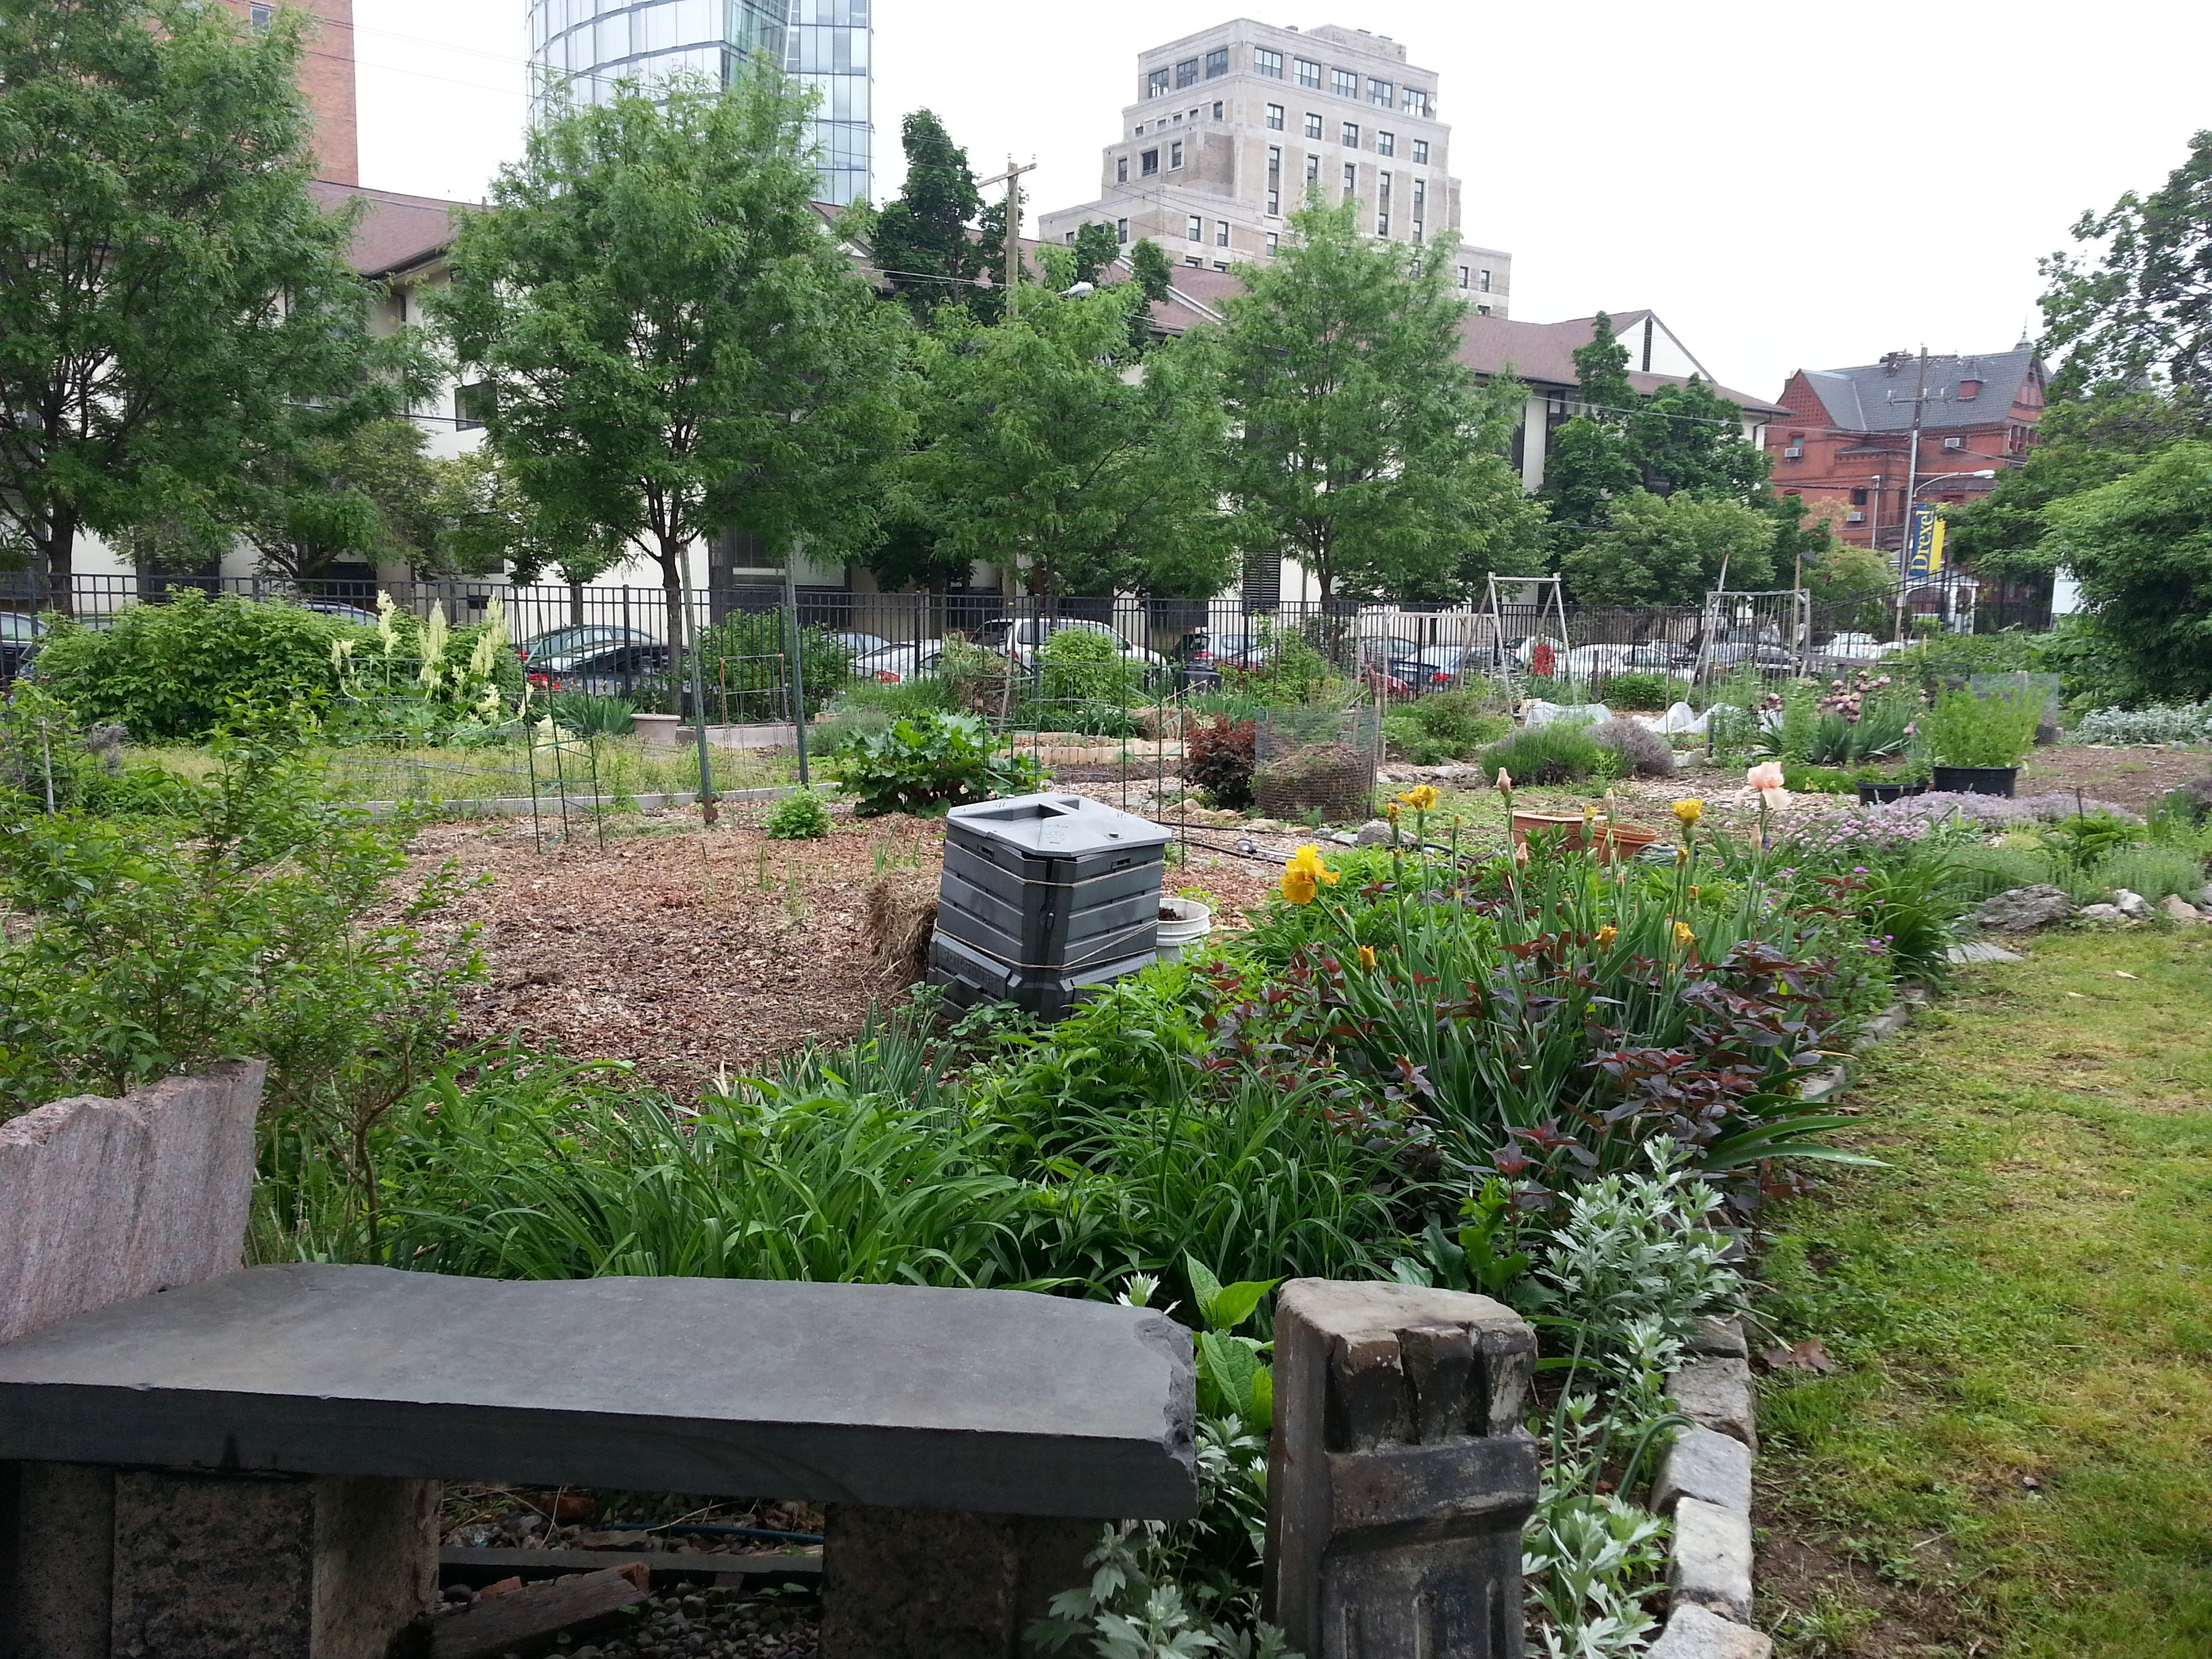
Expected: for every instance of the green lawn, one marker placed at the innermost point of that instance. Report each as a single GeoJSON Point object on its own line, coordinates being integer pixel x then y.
{"type": "Point", "coordinates": [2014, 1454]}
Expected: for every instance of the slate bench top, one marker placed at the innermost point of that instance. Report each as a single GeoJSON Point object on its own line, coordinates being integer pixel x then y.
{"type": "Point", "coordinates": [996, 1400]}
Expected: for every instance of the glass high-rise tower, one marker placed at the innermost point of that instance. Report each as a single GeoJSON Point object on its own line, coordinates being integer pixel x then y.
{"type": "Point", "coordinates": [823, 43]}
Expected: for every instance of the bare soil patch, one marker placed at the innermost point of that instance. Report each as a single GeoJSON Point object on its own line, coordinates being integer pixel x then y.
{"type": "Point", "coordinates": [2132, 777]}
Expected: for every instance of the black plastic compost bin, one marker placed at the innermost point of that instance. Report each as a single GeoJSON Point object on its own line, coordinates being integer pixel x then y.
{"type": "Point", "coordinates": [1043, 898]}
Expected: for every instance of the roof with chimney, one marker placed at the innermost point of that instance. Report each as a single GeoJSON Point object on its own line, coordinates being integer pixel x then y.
{"type": "Point", "coordinates": [1971, 389]}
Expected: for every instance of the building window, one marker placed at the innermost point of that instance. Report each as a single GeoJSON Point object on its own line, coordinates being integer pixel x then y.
{"type": "Point", "coordinates": [1221, 232]}
{"type": "Point", "coordinates": [1382, 189]}
{"type": "Point", "coordinates": [1178, 116]}
{"type": "Point", "coordinates": [1349, 136]}
{"type": "Point", "coordinates": [1155, 83]}
{"type": "Point", "coordinates": [1274, 177]}
{"type": "Point", "coordinates": [1269, 64]}
{"type": "Point", "coordinates": [1313, 169]}
{"type": "Point", "coordinates": [1193, 262]}
{"type": "Point", "coordinates": [1121, 230]}
{"type": "Point", "coordinates": [260, 16]}
{"type": "Point", "coordinates": [1385, 143]}
{"type": "Point", "coordinates": [1463, 275]}
{"type": "Point", "coordinates": [1858, 498]}
{"type": "Point", "coordinates": [1343, 83]}
{"type": "Point", "coordinates": [1969, 389]}
{"type": "Point", "coordinates": [1417, 103]}
{"type": "Point", "coordinates": [1313, 125]}
{"type": "Point", "coordinates": [1482, 310]}
{"type": "Point", "coordinates": [1381, 93]}
{"type": "Point", "coordinates": [1485, 281]}
{"type": "Point", "coordinates": [1071, 238]}
{"type": "Point", "coordinates": [1195, 230]}
{"type": "Point", "coordinates": [1418, 235]}
{"type": "Point", "coordinates": [1352, 177]}
{"type": "Point", "coordinates": [1186, 73]}
{"type": "Point", "coordinates": [1381, 224]}
{"type": "Point", "coordinates": [1421, 152]}
{"type": "Point", "coordinates": [1217, 109]}
{"type": "Point", "coordinates": [1274, 242]}
{"type": "Point", "coordinates": [1175, 155]}
{"type": "Point", "coordinates": [1121, 169]}
{"type": "Point", "coordinates": [1217, 63]}
{"type": "Point", "coordinates": [1275, 116]}
{"type": "Point", "coordinates": [1149, 163]}
{"type": "Point", "coordinates": [471, 402]}
{"type": "Point", "coordinates": [1309, 73]}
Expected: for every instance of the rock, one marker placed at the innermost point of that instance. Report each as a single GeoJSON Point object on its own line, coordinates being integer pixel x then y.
{"type": "Point", "coordinates": [2100, 913]}
{"type": "Point", "coordinates": [1712, 1565]}
{"type": "Point", "coordinates": [2179, 908]}
{"type": "Point", "coordinates": [1715, 1393]}
{"type": "Point", "coordinates": [1708, 1467]}
{"type": "Point", "coordinates": [2204, 898]}
{"type": "Point", "coordinates": [1375, 832]}
{"type": "Point", "coordinates": [1720, 1339]}
{"type": "Point", "coordinates": [1692, 1633]}
{"type": "Point", "coordinates": [2021, 910]}
{"type": "Point", "coordinates": [1975, 951]}
{"type": "Point", "coordinates": [2132, 905]}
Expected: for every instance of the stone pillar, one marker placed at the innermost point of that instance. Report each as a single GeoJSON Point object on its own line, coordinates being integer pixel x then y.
{"type": "Point", "coordinates": [1399, 1473]}
{"type": "Point", "coordinates": [942, 1583]}
{"type": "Point", "coordinates": [167, 1563]}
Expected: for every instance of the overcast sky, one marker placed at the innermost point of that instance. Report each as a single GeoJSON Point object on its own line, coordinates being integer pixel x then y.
{"type": "Point", "coordinates": [1787, 186]}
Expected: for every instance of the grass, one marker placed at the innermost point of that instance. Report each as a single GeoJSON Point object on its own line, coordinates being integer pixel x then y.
{"type": "Point", "coordinates": [2012, 1455]}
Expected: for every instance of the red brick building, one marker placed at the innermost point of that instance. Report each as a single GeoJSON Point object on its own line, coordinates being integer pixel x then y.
{"type": "Point", "coordinates": [326, 75]}
{"type": "Point", "coordinates": [1845, 440]}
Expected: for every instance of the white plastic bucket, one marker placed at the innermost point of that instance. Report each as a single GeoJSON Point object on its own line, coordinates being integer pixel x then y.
{"type": "Point", "coordinates": [1193, 922]}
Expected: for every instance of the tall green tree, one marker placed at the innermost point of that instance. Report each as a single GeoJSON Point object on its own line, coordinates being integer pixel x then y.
{"type": "Point", "coordinates": [672, 341]}
{"type": "Point", "coordinates": [1048, 451]}
{"type": "Point", "coordinates": [2141, 549]}
{"type": "Point", "coordinates": [2135, 312]}
{"type": "Point", "coordinates": [1096, 248]}
{"type": "Point", "coordinates": [1365, 450]}
{"type": "Point", "coordinates": [1587, 463]}
{"type": "Point", "coordinates": [167, 286]}
{"type": "Point", "coordinates": [1671, 550]}
{"type": "Point", "coordinates": [925, 240]}
{"type": "Point", "coordinates": [485, 523]}
{"type": "Point", "coordinates": [1685, 435]}
{"type": "Point", "coordinates": [1151, 269]}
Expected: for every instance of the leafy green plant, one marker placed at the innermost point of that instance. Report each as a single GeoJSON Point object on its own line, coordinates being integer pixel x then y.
{"type": "Point", "coordinates": [1966, 729]}
{"type": "Point", "coordinates": [1553, 753]}
{"type": "Point", "coordinates": [799, 816]}
{"type": "Point", "coordinates": [927, 763]}
{"type": "Point", "coordinates": [590, 716]}
{"type": "Point", "coordinates": [173, 670]}
{"type": "Point", "coordinates": [746, 657]}
{"type": "Point", "coordinates": [2154, 871]}
{"type": "Point", "coordinates": [1446, 725]}
{"type": "Point", "coordinates": [1639, 689]}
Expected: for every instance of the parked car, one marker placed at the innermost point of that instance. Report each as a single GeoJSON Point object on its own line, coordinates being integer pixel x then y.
{"type": "Point", "coordinates": [338, 611]}
{"type": "Point", "coordinates": [1664, 656]}
{"type": "Point", "coordinates": [621, 670]}
{"type": "Point", "coordinates": [1191, 657]}
{"type": "Point", "coordinates": [862, 645]}
{"type": "Point", "coordinates": [1731, 654]}
{"type": "Point", "coordinates": [1444, 666]}
{"type": "Point", "coordinates": [19, 641]}
{"type": "Point", "coordinates": [891, 665]}
{"type": "Point", "coordinates": [1022, 637]}
{"type": "Point", "coordinates": [562, 642]}
{"type": "Point", "coordinates": [1858, 647]}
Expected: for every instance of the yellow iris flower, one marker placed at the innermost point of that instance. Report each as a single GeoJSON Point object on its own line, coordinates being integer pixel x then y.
{"type": "Point", "coordinates": [1305, 876]}
{"type": "Point", "coordinates": [1606, 934]}
{"type": "Point", "coordinates": [1684, 935]}
{"type": "Point", "coordinates": [1367, 956]}
{"type": "Point", "coordinates": [1422, 798]}
{"type": "Point", "coordinates": [1689, 811]}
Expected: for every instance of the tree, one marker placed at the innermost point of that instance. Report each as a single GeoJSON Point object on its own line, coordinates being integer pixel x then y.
{"type": "Point", "coordinates": [2139, 315]}
{"type": "Point", "coordinates": [1671, 550]}
{"type": "Point", "coordinates": [1151, 269]}
{"type": "Point", "coordinates": [167, 286]}
{"type": "Point", "coordinates": [2141, 547]}
{"type": "Point", "coordinates": [1045, 454]}
{"type": "Point", "coordinates": [1685, 437]}
{"type": "Point", "coordinates": [925, 241]}
{"type": "Point", "coordinates": [672, 343]}
{"type": "Point", "coordinates": [485, 523]}
{"type": "Point", "coordinates": [1365, 450]}
{"type": "Point", "coordinates": [1096, 247]}
{"type": "Point", "coordinates": [1601, 373]}
{"type": "Point", "coordinates": [361, 493]}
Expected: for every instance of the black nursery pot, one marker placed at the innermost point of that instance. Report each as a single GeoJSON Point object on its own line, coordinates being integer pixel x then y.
{"type": "Point", "coordinates": [1976, 780]}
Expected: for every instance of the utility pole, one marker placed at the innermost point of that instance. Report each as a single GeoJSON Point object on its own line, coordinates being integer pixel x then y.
{"type": "Point", "coordinates": [1013, 180]}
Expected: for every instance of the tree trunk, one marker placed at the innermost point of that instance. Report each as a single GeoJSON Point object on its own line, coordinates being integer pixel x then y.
{"type": "Point", "coordinates": [575, 603]}
{"type": "Point", "coordinates": [59, 550]}
{"type": "Point", "coordinates": [671, 587]}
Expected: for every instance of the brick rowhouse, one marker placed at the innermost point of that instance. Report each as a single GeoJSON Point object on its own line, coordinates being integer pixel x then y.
{"type": "Point", "coordinates": [1846, 438]}
{"type": "Point", "coordinates": [326, 79]}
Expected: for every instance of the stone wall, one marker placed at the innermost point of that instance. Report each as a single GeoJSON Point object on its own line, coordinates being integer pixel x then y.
{"type": "Point", "coordinates": [101, 1201]}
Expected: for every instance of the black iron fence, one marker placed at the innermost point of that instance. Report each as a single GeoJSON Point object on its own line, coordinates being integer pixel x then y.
{"type": "Point", "coordinates": [613, 639]}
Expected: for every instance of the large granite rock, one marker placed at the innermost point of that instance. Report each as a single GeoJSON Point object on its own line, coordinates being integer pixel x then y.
{"type": "Point", "coordinates": [2021, 909]}
{"type": "Point", "coordinates": [1694, 1632]}
{"type": "Point", "coordinates": [101, 1201]}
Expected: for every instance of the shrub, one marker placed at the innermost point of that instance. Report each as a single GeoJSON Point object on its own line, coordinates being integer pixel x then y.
{"type": "Point", "coordinates": [1965, 729]}
{"type": "Point", "coordinates": [1079, 666]}
{"type": "Point", "coordinates": [1639, 689]}
{"type": "Point", "coordinates": [1643, 751]}
{"type": "Point", "coordinates": [1217, 758]}
{"type": "Point", "coordinates": [171, 672]}
{"type": "Point", "coordinates": [1446, 727]}
{"type": "Point", "coordinates": [928, 764]}
{"type": "Point", "coordinates": [746, 659]}
{"type": "Point", "coordinates": [2160, 723]}
{"type": "Point", "coordinates": [1556, 753]}
{"type": "Point", "coordinates": [2154, 871]}
{"type": "Point", "coordinates": [799, 816]}
{"type": "Point", "coordinates": [2191, 801]}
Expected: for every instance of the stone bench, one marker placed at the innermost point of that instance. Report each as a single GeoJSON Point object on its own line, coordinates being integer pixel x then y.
{"type": "Point", "coordinates": [269, 1437]}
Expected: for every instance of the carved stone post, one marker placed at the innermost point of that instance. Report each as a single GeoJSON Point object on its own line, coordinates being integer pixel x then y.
{"type": "Point", "coordinates": [1399, 1474]}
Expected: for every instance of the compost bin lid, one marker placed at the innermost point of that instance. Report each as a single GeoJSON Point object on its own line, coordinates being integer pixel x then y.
{"type": "Point", "coordinates": [1056, 826]}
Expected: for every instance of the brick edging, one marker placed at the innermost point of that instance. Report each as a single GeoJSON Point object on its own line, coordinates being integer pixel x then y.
{"type": "Point", "coordinates": [1704, 1482]}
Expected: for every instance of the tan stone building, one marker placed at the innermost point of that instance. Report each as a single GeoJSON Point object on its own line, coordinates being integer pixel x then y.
{"type": "Point", "coordinates": [1234, 126]}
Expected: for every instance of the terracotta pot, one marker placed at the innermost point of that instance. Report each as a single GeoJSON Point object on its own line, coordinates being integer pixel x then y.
{"type": "Point", "coordinates": [1624, 839]}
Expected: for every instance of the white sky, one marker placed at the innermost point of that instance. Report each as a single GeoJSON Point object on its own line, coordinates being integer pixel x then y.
{"type": "Point", "coordinates": [1788, 186]}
